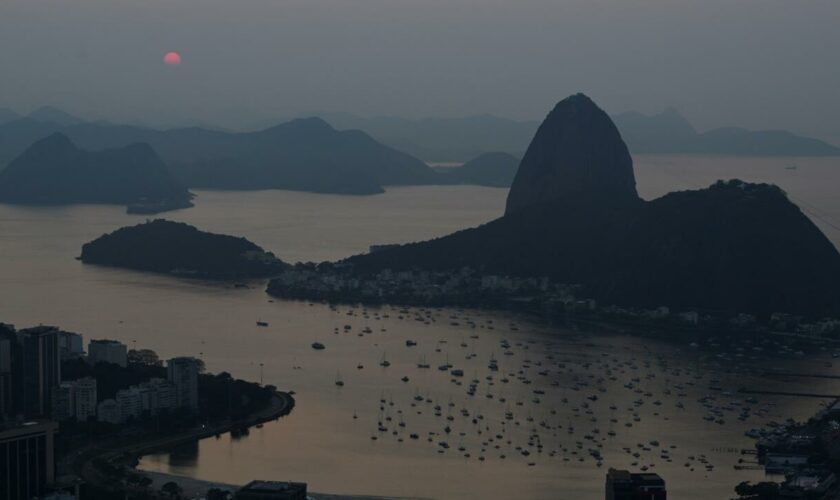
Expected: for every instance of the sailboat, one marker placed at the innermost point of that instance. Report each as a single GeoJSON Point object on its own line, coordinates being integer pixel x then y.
{"type": "Point", "coordinates": [338, 380]}
{"type": "Point", "coordinates": [385, 363]}
{"type": "Point", "coordinates": [422, 363]}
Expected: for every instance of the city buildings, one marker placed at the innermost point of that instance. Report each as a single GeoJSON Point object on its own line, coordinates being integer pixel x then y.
{"type": "Point", "coordinates": [84, 399]}
{"type": "Point", "coordinates": [107, 351]}
{"type": "Point", "coordinates": [625, 485]}
{"type": "Point", "coordinates": [146, 399]}
{"type": "Point", "coordinates": [71, 345]}
{"type": "Point", "coordinates": [27, 463]}
{"type": "Point", "coordinates": [183, 373]}
{"type": "Point", "coordinates": [130, 403]}
{"type": "Point", "coordinates": [271, 490]}
{"type": "Point", "coordinates": [75, 399]}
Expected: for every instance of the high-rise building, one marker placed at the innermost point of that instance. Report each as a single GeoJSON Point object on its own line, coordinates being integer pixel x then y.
{"type": "Point", "coordinates": [624, 485]}
{"type": "Point", "coordinates": [40, 369]}
{"type": "Point", "coordinates": [107, 351]}
{"type": "Point", "coordinates": [158, 395]}
{"type": "Point", "coordinates": [8, 346]}
{"type": "Point", "coordinates": [71, 345]}
{"type": "Point", "coordinates": [64, 402]}
{"type": "Point", "coordinates": [130, 403]}
{"type": "Point", "coordinates": [27, 462]}
{"type": "Point", "coordinates": [183, 372]}
{"type": "Point", "coordinates": [84, 398]}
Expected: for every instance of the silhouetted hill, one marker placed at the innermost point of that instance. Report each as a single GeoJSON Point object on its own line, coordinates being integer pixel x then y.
{"type": "Point", "coordinates": [176, 248]}
{"type": "Point", "coordinates": [734, 247]}
{"type": "Point", "coordinates": [307, 155]}
{"type": "Point", "coordinates": [304, 155]}
{"type": "Point", "coordinates": [577, 155]}
{"type": "Point", "coordinates": [665, 133]}
{"type": "Point", "coordinates": [670, 133]}
{"type": "Point", "coordinates": [460, 139]}
{"type": "Point", "coordinates": [54, 171]}
{"type": "Point", "coordinates": [489, 169]}
{"type": "Point", "coordinates": [742, 142]}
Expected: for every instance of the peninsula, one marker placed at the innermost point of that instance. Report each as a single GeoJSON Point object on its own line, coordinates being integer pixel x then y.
{"type": "Point", "coordinates": [574, 218]}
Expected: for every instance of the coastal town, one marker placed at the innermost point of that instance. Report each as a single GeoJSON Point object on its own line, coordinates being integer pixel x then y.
{"type": "Point", "coordinates": [467, 287]}
{"type": "Point", "coordinates": [802, 457]}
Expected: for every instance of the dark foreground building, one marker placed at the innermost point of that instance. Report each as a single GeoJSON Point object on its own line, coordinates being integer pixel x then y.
{"type": "Point", "coordinates": [27, 464]}
{"type": "Point", "coordinates": [624, 485]}
{"type": "Point", "coordinates": [272, 490]}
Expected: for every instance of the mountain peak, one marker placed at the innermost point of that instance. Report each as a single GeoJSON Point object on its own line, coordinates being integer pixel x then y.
{"type": "Point", "coordinates": [577, 156]}
{"type": "Point", "coordinates": [310, 124]}
{"type": "Point", "coordinates": [55, 143]}
{"type": "Point", "coordinates": [51, 114]}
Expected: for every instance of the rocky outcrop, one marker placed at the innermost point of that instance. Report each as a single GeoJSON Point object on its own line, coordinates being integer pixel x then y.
{"type": "Point", "coordinates": [577, 156]}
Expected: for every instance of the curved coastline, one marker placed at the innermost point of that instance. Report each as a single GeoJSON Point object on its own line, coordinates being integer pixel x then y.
{"type": "Point", "coordinates": [125, 452]}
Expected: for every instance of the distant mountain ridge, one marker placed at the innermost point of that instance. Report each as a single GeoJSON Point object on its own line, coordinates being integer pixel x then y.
{"type": "Point", "coordinates": [460, 139]}
{"type": "Point", "coordinates": [574, 216]}
{"type": "Point", "coordinates": [55, 171]}
{"type": "Point", "coordinates": [304, 154]}
{"type": "Point", "coordinates": [442, 139]}
{"type": "Point", "coordinates": [670, 133]}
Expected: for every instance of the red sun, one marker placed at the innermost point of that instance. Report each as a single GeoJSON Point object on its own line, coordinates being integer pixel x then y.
{"type": "Point", "coordinates": [172, 59]}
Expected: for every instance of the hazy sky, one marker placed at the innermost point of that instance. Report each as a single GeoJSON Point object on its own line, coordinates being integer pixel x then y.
{"type": "Point", "coordinates": [754, 63]}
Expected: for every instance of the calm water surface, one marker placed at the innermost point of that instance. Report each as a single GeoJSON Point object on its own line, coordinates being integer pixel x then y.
{"type": "Point", "coordinates": [583, 376]}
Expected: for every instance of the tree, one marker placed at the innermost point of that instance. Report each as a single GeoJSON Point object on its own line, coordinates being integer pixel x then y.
{"type": "Point", "coordinates": [172, 489]}
{"type": "Point", "coordinates": [217, 494]}
{"type": "Point", "coordinates": [758, 491]}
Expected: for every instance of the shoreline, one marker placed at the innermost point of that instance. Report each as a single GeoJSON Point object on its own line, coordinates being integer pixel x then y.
{"type": "Point", "coordinates": [193, 486]}
{"type": "Point", "coordinates": [125, 453]}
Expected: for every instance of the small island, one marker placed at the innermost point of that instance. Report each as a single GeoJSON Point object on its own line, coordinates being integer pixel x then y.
{"type": "Point", "coordinates": [179, 249]}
